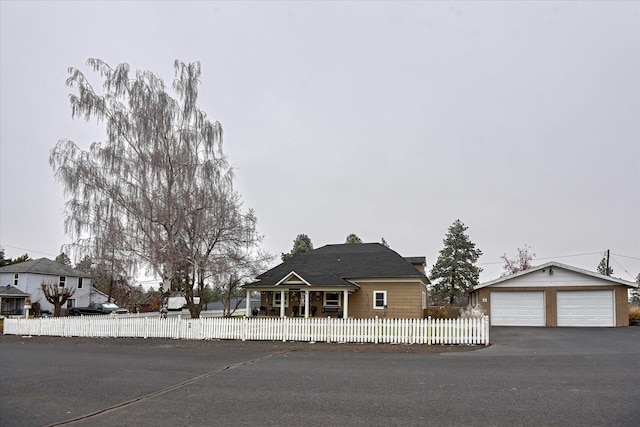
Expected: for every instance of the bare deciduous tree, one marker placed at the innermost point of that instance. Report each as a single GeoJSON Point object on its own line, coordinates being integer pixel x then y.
{"type": "Point", "coordinates": [520, 262]}
{"type": "Point", "coordinates": [241, 267]}
{"type": "Point", "coordinates": [56, 295]}
{"type": "Point", "coordinates": [157, 193]}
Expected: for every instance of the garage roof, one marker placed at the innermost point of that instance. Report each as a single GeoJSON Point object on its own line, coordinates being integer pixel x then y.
{"type": "Point", "coordinates": [558, 265]}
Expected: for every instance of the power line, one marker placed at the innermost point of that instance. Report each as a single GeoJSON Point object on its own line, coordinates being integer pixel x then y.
{"type": "Point", "coordinates": [627, 256]}
{"type": "Point", "coordinates": [625, 270]}
{"type": "Point", "coordinates": [553, 257]}
{"type": "Point", "coordinates": [571, 256]}
{"type": "Point", "coordinates": [28, 250]}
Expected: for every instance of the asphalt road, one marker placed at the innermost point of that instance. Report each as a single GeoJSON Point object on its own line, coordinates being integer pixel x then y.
{"type": "Point", "coordinates": [529, 376]}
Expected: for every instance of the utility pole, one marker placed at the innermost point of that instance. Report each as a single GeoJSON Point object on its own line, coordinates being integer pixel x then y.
{"type": "Point", "coordinates": [607, 270]}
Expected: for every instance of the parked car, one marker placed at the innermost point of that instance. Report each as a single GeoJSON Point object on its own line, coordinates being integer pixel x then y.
{"type": "Point", "coordinates": [98, 308]}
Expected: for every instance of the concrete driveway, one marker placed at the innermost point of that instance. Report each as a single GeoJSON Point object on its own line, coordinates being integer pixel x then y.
{"type": "Point", "coordinates": [529, 377]}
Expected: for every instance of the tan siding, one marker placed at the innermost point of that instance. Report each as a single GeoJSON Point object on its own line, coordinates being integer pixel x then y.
{"type": "Point", "coordinates": [622, 305]}
{"type": "Point", "coordinates": [404, 300]}
{"type": "Point", "coordinates": [551, 306]}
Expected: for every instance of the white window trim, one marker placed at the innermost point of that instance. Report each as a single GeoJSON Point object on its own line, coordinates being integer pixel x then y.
{"type": "Point", "coordinates": [331, 302]}
{"type": "Point", "coordinates": [71, 302]}
{"type": "Point", "coordinates": [375, 300]}
{"type": "Point", "coordinates": [424, 300]}
{"type": "Point", "coordinates": [276, 299]}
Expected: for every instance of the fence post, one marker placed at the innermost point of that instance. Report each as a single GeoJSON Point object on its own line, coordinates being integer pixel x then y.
{"type": "Point", "coordinates": [283, 328]}
{"type": "Point", "coordinates": [245, 324]}
{"type": "Point", "coordinates": [485, 320]}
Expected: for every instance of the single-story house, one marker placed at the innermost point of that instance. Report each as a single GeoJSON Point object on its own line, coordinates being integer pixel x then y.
{"type": "Point", "coordinates": [555, 294]}
{"type": "Point", "coordinates": [12, 300]}
{"type": "Point", "coordinates": [28, 277]}
{"type": "Point", "coordinates": [363, 280]}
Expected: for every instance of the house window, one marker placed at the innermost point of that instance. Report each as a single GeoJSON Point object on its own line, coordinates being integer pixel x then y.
{"type": "Point", "coordinates": [15, 280]}
{"type": "Point", "coordinates": [379, 299]}
{"type": "Point", "coordinates": [62, 282]}
{"type": "Point", "coordinates": [71, 303]}
{"type": "Point", "coordinates": [79, 282]}
{"type": "Point", "coordinates": [424, 299]}
{"type": "Point", "coordinates": [332, 299]}
{"type": "Point", "coordinates": [276, 299]}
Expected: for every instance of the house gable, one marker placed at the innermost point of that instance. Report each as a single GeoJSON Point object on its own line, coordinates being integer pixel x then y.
{"type": "Point", "coordinates": [554, 274]}
{"type": "Point", "coordinates": [292, 279]}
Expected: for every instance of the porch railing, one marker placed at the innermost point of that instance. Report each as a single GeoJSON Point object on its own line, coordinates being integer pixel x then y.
{"type": "Point", "coordinates": [397, 331]}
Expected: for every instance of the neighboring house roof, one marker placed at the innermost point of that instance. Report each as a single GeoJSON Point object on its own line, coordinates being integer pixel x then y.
{"type": "Point", "coordinates": [99, 292]}
{"type": "Point", "coordinates": [334, 265]}
{"type": "Point", "coordinates": [43, 266]}
{"type": "Point", "coordinates": [558, 265]}
{"type": "Point", "coordinates": [11, 292]}
{"type": "Point", "coordinates": [416, 259]}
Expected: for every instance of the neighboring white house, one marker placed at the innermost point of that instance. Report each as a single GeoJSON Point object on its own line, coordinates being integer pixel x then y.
{"type": "Point", "coordinates": [28, 277]}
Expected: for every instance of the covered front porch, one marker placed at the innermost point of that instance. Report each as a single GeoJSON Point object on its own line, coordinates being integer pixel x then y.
{"type": "Point", "coordinates": [301, 302]}
{"type": "Point", "coordinates": [12, 301]}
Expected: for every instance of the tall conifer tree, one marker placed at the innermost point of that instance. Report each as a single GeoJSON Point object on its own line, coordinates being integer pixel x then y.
{"type": "Point", "coordinates": [455, 272]}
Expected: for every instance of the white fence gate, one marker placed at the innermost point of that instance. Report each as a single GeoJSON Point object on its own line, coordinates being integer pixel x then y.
{"type": "Point", "coordinates": [397, 331]}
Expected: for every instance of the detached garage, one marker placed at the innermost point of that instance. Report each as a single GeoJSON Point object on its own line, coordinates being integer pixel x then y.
{"type": "Point", "coordinates": [555, 294]}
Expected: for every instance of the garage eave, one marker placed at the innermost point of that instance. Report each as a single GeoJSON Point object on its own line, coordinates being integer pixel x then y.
{"type": "Point", "coordinates": [555, 264]}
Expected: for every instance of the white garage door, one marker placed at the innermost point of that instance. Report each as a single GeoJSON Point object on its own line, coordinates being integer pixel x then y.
{"type": "Point", "coordinates": [586, 308]}
{"type": "Point", "coordinates": [517, 308]}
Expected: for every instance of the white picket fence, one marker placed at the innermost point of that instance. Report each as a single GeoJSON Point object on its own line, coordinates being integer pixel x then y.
{"type": "Point", "coordinates": [397, 331]}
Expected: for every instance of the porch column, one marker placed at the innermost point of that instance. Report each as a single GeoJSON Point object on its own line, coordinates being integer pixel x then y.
{"type": "Point", "coordinates": [282, 303]}
{"type": "Point", "coordinates": [247, 310]}
{"type": "Point", "coordinates": [345, 301]}
{"type": "Point", "coordinates": [306, 304]}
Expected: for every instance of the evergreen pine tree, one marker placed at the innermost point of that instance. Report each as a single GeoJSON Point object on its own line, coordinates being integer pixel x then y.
{"type": "Point", "coordinates": [301, 244]}
{"type": "Point", "coordinates": [455, 272]}
{"type": "Point", "coordinates": [63, 259]}
{"type": "Point", "coordinates": [635, 293]}
{"type": "Point", "coordinates": [352, 238]}
{"type": "Point", "coordinates": [602, 267]}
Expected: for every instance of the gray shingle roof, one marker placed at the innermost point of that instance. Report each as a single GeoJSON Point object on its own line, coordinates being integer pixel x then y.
{"type": "Point", "coordinates": [416, 259]}
{"type": "Point", "coordinates": [333, 265]}
{"type": "Point", "coordinates": [11, 292]}
{"type": "Point", "coordinates": [43, 266]}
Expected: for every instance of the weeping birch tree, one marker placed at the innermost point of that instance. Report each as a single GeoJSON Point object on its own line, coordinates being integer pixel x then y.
{"type": "Point", "coordinates": [157, 193]}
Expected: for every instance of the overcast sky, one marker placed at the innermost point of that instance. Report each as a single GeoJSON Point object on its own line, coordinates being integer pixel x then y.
{"type": "Point", "coordinates": [380, 119]}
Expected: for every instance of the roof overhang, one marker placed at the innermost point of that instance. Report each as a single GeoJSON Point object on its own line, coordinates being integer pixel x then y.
{"type": "Point", "coordinates": [550, 265]}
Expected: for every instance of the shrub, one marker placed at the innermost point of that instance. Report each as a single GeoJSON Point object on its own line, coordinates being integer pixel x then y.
{"type": "Point", "coordinates": [442, 312]}
{"type": "Point", "coordinates": [634, 312]}
{"type": "Point", "coordinates": [472, 312]}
